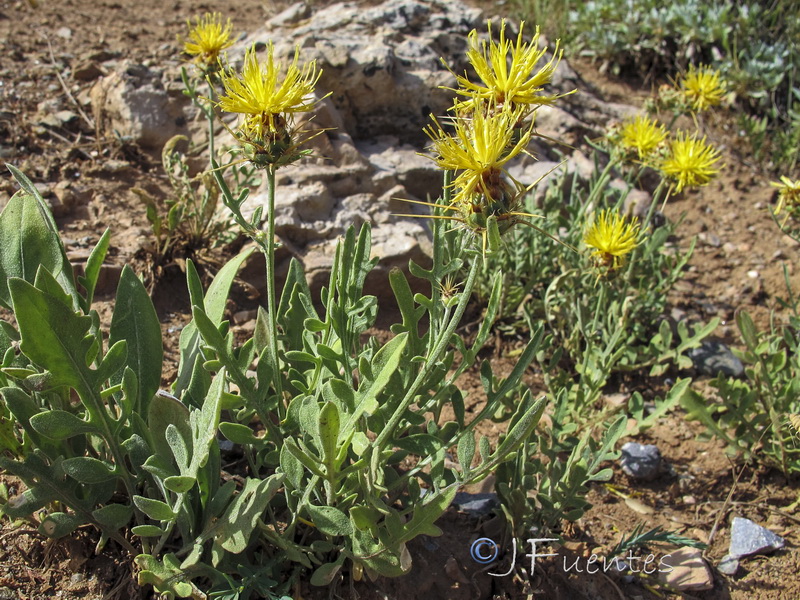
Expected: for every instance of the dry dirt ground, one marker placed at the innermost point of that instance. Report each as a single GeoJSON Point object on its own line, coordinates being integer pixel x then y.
{"type": "Point", "coordinates": [47, 52]}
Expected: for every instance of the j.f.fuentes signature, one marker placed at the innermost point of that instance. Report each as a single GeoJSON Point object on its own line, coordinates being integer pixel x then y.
{"type": "Point", "coordinates": [485, 551]}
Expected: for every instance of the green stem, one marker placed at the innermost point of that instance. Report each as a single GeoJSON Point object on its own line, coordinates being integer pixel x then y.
{"type": "Point", "coordinates": [209, 112]}
{"type": "Point", "coordinates": [179, 501]}
{"type": "Point", "coordinates": [643, 228]}
{"type": "Point", "coordinates": [269, 246]}
{"type": "Point", "coordinates": [440, 345]}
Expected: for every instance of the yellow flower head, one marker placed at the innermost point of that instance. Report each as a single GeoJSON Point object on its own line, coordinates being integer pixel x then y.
{"type": "Point", "coordinates": [703, 87]}
{"type": "Point", "coordinates": [789, 193]}
{"type": "Point", "coordinates": [643, 135]}
{"type": "Point", "coordinates": [268, 99]}
{"type": "Point", "coordinates": [508, 70]}
{"type": "Point", "coordinates": [690, 162]}
{"type": "Point", "coordinates": [612, 237]}
{"type": "Point", "coordinates": [208, 38]}
{"type": "Point", "coordinates": [481, 145]}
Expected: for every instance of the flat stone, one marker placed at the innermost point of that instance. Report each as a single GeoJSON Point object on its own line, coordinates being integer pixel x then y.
{"type": "Point", "coordinates": [88, 71]}
{"type": "Point", "coordinates": [641, 461]}
{"type": "Point", "coordinates": [748, 539]}
{"type": "Point", "coordinates": [476, 504]}
{"type": "Point", "coordinates": [728, 565]}
{"type": "Point", "coordinates": [689, 571]}
{"type": "Point", "coordinates": [714, 358]}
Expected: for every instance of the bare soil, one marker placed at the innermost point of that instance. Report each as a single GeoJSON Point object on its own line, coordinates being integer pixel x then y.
{"type": "Point", "coordinates": [47, 52]}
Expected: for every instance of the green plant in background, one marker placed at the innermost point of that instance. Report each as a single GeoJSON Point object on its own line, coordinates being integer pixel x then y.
{"type": "Point", "coordinates": [752, 44]}
{"type": "Point", "coordinates": [603, 311]}
{"type": "Point", "coordinates": [752, 415]}
{"type": "Point", "coordinates": [190, 218]}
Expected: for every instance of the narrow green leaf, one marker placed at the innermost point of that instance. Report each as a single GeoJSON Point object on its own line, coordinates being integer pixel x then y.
{"type": "Point", "coordinates": [167, 410]}
{"type": "Point", "coordinates": [155, 509]}
{"type": "Point", "coordinates": [310, 463]}
{"type": "Point", "coordinates": [179, 484]}
{"type": "Point", "coordinates": [426, 513]}
{"type": "Point", "coordinates": [747, 329]}
{"type": "Point", "coordinates": [135, 320]}
{"type": "Point", "coordinates": [328, 427]}
{"type": "Point", "coordinates": [93, 266]}
{"type": "Point", "coordinates": [384, 364]}
{"type": "Point", "coordinates": [330, 520]}
{"type": "Point", "coordinates": [113, 516]}
{"type": "Point", "coordinates": [204, 424]}
{"type": "Point", "coordinates": [28, 242]}
{"type": "Point", "coordinates": [179, 447]}
{"type": "Point", "coordinates": [466, 451]}
{"type": "Point", "coordinates": [88, 470]}
{"type": "Point", "coordinates": [194, 285]}
{"type": "Point", "coordinates": [240, 434]}
{"type": "Point", "coordinates": [239, 521]}
{"type": "Point", "coordinates": [521, 430]}
{"type": "Point", "coordinates": [214, 306]}
{"type": "Point", "coordinates": [292, 468]}
{"type": "Point", "coordinates": [147, 531]}
{"type": "Point", "coordinates": [60, 425]}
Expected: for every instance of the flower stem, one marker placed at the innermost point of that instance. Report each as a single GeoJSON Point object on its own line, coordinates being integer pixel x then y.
{"type": "Point", "coordinates": [439, 346]}
{"type": "Point", "coordinates": [269, 247]}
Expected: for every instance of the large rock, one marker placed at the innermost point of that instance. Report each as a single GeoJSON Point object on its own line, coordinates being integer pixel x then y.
{"type": "Point", "coordinates": [382, 63]}
{"type": "Point", "coordinates": [131, 102]}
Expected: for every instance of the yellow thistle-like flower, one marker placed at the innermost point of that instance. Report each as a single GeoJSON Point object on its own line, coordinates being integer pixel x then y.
{"type": "Point", "coordinates": [481, 145]}
{"type": "Point", "coordinates": [518, 83]}
{"type": "Point", "coordinates": [703, 87]}
{"type": "Point", "coordinates": [643, 135]}
{"type": "Point", "coordinates": [268, 100]}
{"type": "Point", "coordinates": [690, 162]}
{"type": "Point", "coordinates": [789, 193]}
{"type": "Point", "coordinates": [208, 38]}
{"type": "Point", "coordinates": [612, 237]}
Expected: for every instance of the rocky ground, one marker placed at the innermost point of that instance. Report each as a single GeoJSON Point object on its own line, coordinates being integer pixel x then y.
{"type": "Point", "coordinates": [75, 78]}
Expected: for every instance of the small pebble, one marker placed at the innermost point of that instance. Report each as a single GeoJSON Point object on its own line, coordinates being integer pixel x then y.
{"type": "Point", "coordinates": [640, 461]}
{"type": "Point", "coordinates": [728, 565]}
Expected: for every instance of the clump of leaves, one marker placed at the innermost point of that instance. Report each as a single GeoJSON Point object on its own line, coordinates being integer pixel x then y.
{"type": "Point", "coordinates": [189, 219]}
{"type": "Point", "coordinates": [751, 415]}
